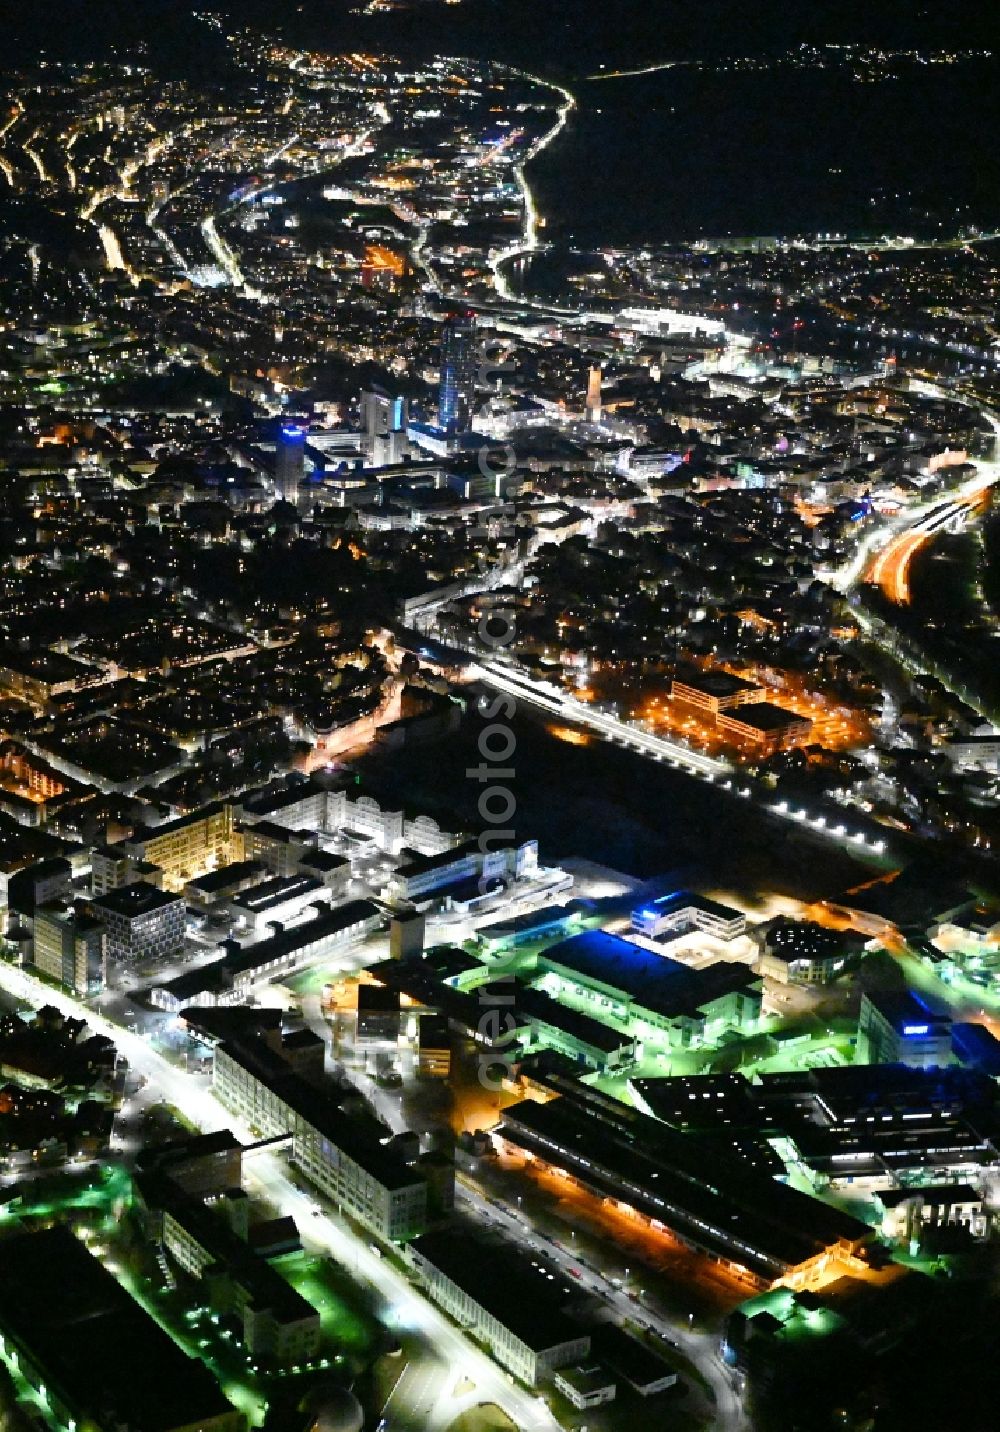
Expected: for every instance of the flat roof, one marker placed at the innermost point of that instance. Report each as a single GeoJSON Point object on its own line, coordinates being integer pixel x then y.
{"type": "Point", "coordinates": [977, 1045]}
{"type": "Point", "coordinates": [417, 864]}
{"type": "Point", "coordinates": [765, 716]}
{"type": "Point", "coordinates": [226, 876]}
{"type": "Point", "coordinates": [139, 898]}
{"type": "Point", "coordinates": [628, 1357]}
{"type": "Point", "coordinates": [358, 1140]}
{"type": "Point", "coordinates": [706, 1195]}
{"type": "Point", "coordinates": [181, 822]}
{"type": "Point", "coordinates": [686, 900]}
{"type": "Point", "coordinates": [792, 940]}
{"type": "Point", "coordinates": [324, 860]}
{"type": "Point", "coordinates": [283, 833]}
{"type": "Point", "coordinates": [448, 961]}
{"type": "Point", "coordinates": [277, 891]}
{"type": "Point", "coordinates": [543, 919]}
{"type": "Point", "coordinates": [714, 683]}
{"type": "Point", "coordinates": [652, 981]}
{"type": "Point", "coordinates": [535, 1004]}
{"type": "Point", "coordinates": [907, 1012]}
{"type": "Point", "coordinates": [263, 802]}
{"type": "Point", "coordinates": [264, 1285]}
{"type": "Point", "coordinates": [99, 1351]}
{"type": "Point", "coordinates": [299, 937]}
{"type": "Point", "coordinates": [504, 1283]}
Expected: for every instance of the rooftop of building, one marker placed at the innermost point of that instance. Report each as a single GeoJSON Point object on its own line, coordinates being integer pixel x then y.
{"type": "Point", "coordinates": [222, 879]}
{"type": "Point", "coordinates": [264, 1286]}
{"type": "Point", "coordinates": [506, 1284]}
{"type": "Point", "coordinates": [64, 1310]}
{"type": "Point", "coordinates": [413, 863]}
{"type": "Point", "coordinates": [653, 981]}
{"type": "Point", "coordinates": [718, 684]}
{"type": "Point", "coordinates": [765, 716]}
{"type": "Point", "coordinates": [359, 1140]}
{"type": "Point", "coordinates": [276, 891]}
{"type": "Point", "coordinates": [792, 940]}
{"type": "Point", "coordinates": [265, 801]}
{"type": "Point", "coordinates": [143, 833]}
{"type": "Point", "coordinates": [323, 861]}
{"type": "Point", "coordinates": [198, 1146]}
{"type": "Point", "coordinates": [139, 898]}
{"type": "Point", "coordinates": [907, 1012]}
{"type": "Point", "coordinates": [707, 1195]}
{"type": "Point", "coordinates": [628, 1357]}
{"type": "Point", "coordinates": [977, 1045]}
{"type": "Point", "coordinates": [540, 920]}
{"type": "Point", "coordinates": [686, 900]}
{"type": "Point", "coordinates": [286, 942]}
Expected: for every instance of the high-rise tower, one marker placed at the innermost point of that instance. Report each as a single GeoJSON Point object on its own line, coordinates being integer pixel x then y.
{"type": "Point", "coordinates": [289, 462]}
{"type": "Point", "coordinates": [383, 426]}
{"type": "Point", "coordinates": [458, 372]}
{"type": "Point", "coordinates": [593, 408]}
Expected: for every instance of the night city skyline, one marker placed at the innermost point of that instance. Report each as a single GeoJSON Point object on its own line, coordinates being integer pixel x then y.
{"type": "Point", "coordinates": [499, 717]}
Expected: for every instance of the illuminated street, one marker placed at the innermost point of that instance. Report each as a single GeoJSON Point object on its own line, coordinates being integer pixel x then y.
{"type": "Point", "coordinates": [499, 717]}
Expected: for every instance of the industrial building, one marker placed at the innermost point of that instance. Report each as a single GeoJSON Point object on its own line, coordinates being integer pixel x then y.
{"type": "Point", "coordinates": [802, 952]}
{"type": "Point", "coordinates": [681, 913]}
{"type": "Point", "coordinates": [897, 1027]}
{"type": "Point", "coordinates": [211, 1244]}
{"type": "Point", "coordinates": [761, 1230]}
{"type": "Point", "coordinates": [765, 727]}
{"type": "Point", "coordinates": [91, 1351]}
{"type": "Point", "coordinates": [511, 1015]}
{"type": "Point", "coordinates": [654, 998]}
{"type": "Point", "coordinates": [713, 691]}
{"type": "Point", "coordinates": [503, 1298]}
{"type": "Point", "coordinates": [228, 979]}
{"type": "Point", "coordinates": [420, 877]}
{"type": "Point", "coordinates": [343, 1156]}
{"type": "Point", "coordinates": [275, 901]}
{"type": "Point", "coordinates": [186, 847]}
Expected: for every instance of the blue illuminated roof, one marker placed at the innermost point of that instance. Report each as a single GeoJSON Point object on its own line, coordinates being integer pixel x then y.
{"type": "Point", "coordinates": [653, 981]}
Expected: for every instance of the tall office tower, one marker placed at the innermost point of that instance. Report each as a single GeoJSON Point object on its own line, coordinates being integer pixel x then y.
{"type": "Point", "coordinates": [593, 409]}
{"type": "Point", "coordinates": [458, 372]}
{"type": "Point", "coordinates": [383, 427]}
{"type": "Point", "coordinates": [289, 463]}
{"type": "Point", "coordinates": [70, 946]}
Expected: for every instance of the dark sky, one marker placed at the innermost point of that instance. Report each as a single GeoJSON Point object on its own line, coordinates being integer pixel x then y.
{"type": "Point", "coordinates": [574, 33]}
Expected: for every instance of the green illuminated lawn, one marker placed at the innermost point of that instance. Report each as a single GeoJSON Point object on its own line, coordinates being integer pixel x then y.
{"type": "Point", "coordinates": [346, 1325]}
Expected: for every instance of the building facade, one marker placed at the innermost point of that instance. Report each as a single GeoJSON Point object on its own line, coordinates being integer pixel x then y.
{"type": "Point", "coordinates": [70, 946]}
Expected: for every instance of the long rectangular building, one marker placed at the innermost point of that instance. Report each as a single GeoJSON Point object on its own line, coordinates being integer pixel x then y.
{"type": "Point", "coordinates": [342, 1156]}
{"type": "Point", "coordinates": [98, 1357]}
{"type": "Point", "coordinates": [760, 1229]}
{"type": "Point", "coordinates": [279, 1325]}
{"type": "Point", "coordinates": [186, 847]}
{"type": "Point", "coordinates": [657, 999]}
{"type": "Point", "coordinates": [520, 1017]}
{"type": "Point", "coordinates": [227, 979]}
{"type": "Point", "coordinates": [501, 1296]}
